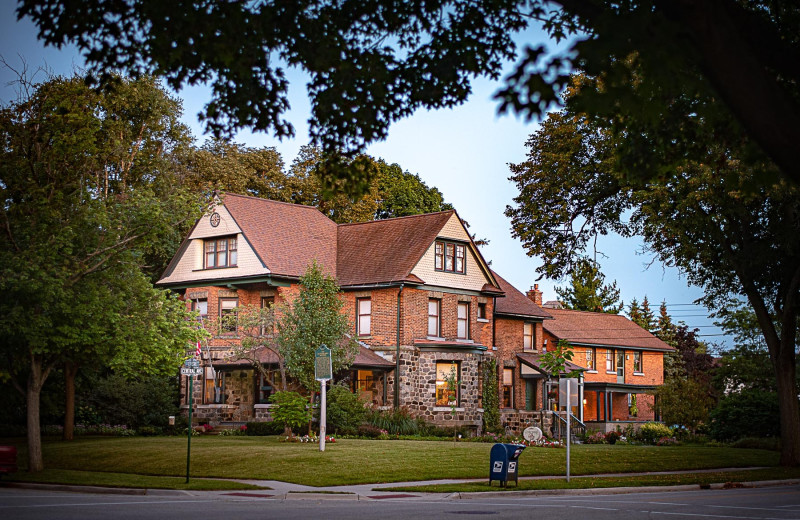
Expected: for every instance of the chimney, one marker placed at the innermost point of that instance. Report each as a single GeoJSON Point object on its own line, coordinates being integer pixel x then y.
{"type": "Point", "coordinates": [535, 295]}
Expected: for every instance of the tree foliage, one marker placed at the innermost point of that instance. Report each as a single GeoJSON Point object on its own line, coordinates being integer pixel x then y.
{"type": "Point", "coordinates": [90, 197]}
{"type": "Point", "coordinates": [312, 319]}
{"type": "Point", "coordinates": [726, 232]}
{"type": "Point", "coordinates": [587, 291]}
{"type": "Point", "coordinates": [291, 410]}
{"type": "Point", "coordinates": [372, 62]}
{"type": "Point", "coordinates": [491, 396]}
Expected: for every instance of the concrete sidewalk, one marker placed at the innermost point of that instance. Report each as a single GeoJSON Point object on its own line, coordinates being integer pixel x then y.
{"type": "Point", "coordinates": [288, 491]}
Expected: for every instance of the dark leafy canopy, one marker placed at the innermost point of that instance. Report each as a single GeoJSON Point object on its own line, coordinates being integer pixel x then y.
{"type": "Point", "coordinates": [709, 218]}
{"type": "Point", "coordinates": [372, 62]}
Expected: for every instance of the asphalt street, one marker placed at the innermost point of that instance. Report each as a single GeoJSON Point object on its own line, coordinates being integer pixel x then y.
{"type": "Point", "coordinates": [764, 503]}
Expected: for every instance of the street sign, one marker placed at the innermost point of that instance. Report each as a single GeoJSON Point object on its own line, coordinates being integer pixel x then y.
{"type": "Point", "coordinates": [192, 363]}
{"type": "Point", "coordinates": [323, 370]}
{"type": "Point", "coordinates": [573, 391]}
{"type": "Point", "coordinates": [191, 371]}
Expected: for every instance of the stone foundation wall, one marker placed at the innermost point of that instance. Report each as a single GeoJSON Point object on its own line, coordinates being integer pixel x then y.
{"type": "Point", "coordinates": [515, 421]}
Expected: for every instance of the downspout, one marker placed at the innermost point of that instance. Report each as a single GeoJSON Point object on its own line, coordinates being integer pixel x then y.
{"type": "Point", "coordinates": [397, 354]}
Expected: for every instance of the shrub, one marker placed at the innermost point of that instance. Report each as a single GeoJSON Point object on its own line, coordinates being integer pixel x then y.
{"type": "Point", "coordinates": [651, 432]}
{"type": "Point", "coordinates": [396, 421]}
{"type": "Point", "coordinates": [667, 441]}
{"type": "Point", "coordinates": [263, 428]}
{"type": "Point", "coordinates": [612, 437]}
{"type": "Point", "coordinates": [345, 411]}
{"type": "Point", "coordinates": [370, 431]}
{"type": "Point", "coordinates": [147, 401]}
{"type": "Point", "coordinates": [596, 438]}
{"type": "Point", "coordinates": [750, 413]}
{"type": "Point", "coordinates": [291, 409]}
{"type": "Point", "coordinates": [149, 431]}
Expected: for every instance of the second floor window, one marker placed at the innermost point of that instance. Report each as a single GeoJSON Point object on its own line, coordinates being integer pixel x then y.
{"type": "Point", "coordinates": [527, 336]}
{"type": "Point", "coordinates": [221, 252]}
{"type": "Point", "coordinates": [364, 320]}
{"type": "Point", "coordinates": [449, 257]}
{"type": "Point", "coordinates": [201, 307]}
{"type": "Point", "coordinates": [227, 314]}
{"type": "Point", "coordinates": [481, 311]}
{"type": "Point", "coordinates": [609, 360]}
{"type": "Point", "coordinates": [267, 319]}
{"type": "Point", "coordinates": [637, 362]}
{"type": "Point", "coordinates": [462, 331]}
{"type": "Point", "coordinates": [434, 314]}
{"type": "Point", "coordinates": [590, 361]}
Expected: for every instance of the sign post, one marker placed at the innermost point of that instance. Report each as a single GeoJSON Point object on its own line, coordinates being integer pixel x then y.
{"type": "Point", "coordinates": [567, 393]}
{"type": "Point", "coordinates": [190, 368]}
{"type": "Point", "coordinates": [323, 372]}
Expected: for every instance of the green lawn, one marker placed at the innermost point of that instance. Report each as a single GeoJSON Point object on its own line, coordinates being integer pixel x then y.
{"type": "Point", "coordinates": [361, 461]}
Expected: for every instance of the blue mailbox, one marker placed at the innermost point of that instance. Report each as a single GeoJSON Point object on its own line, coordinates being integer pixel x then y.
{"type": "Point", "coordinates": [504, 463]}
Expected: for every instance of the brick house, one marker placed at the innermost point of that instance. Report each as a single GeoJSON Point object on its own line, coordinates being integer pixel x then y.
{"type": "Point", "coordinates": [422, 303]}
{"type": "Point", "coordinates": [418, 293]}
{"type": "Point", "coordinates": [620, 363]}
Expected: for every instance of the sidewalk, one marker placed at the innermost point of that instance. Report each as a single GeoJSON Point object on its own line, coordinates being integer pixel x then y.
{"type": "Point", "coordinates": [288, 491]}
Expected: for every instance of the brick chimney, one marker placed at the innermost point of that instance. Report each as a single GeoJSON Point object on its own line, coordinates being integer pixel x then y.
{"type": "Point", "coordinates": [535, 295]}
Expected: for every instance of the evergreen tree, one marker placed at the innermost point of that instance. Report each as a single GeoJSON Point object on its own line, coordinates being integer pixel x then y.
{"type": "Point", "coordinates": [587, 291]}
{"type": "Point", "coordinates": [648, 318]}
{"type": "Point", "coordinates": [635, 312]}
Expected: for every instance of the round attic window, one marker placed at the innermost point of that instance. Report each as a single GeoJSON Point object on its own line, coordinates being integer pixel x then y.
{"type": "Point", "coordinates": [214, 219]}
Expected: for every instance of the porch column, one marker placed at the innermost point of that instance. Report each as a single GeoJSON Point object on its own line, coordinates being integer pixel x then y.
{"type": "Point", "coordinates": [610, 407]}
{"type": "Point", "coordinates": [580, 400]}
{"type": "Point", "coordinates": [597, 412]}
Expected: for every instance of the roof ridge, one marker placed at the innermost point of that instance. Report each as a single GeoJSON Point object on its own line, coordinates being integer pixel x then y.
{"type": "Point", "coordinates": [418, 215]}
{"type": "Point", "coordinates": [273, 201]}
{"type": "Point", "coordinates": [591, 312]}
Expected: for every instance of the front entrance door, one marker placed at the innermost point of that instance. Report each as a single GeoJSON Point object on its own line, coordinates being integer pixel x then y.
{"type": "Point", "coordinates": [530, 395]}
{"type": "Point", "coordinates": [621, 366]}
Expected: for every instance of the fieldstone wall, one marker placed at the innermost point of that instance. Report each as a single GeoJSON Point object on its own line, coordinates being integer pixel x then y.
{"type": "Point", "coordinates": [515, 421]}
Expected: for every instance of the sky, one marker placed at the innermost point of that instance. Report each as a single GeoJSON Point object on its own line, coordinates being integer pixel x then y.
{"type": "Point", "coordinates": [463, 151]}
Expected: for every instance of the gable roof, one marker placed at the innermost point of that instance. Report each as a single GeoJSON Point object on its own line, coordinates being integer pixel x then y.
{"type": "Point", "coordinates": [285, 236]}
{"type": "Point", "coordinates": [386, 250]}
{"type": "Point", "coordinates": [515, 303]}
{"type": "Point", "coordinates": [601, 329]}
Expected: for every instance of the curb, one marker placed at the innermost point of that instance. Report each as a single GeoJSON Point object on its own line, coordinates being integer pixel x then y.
{"type": "Point", "coordinates": [96, 489]}
{"type": "Point", "coordinates": [623, 490]}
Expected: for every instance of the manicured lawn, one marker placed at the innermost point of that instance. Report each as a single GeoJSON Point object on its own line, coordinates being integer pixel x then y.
{"type": "Point", "coordinates": [128, 480]}
{"type": "Point", "coordinates": [610, 482]}
{"type": "Point", "coordinates": [360, 461]}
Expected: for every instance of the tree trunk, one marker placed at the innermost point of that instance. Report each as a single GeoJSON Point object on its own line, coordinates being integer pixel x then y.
{"type": "Point", "coordinates": [789, 409]}
{"type": "Point", "coordinates": [70, 371]}
{"type": "Point", "coordinates": [36, 378]}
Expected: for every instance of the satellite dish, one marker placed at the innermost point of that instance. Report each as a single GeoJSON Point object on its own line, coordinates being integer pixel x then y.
{"type": "Point", "coordinates": [532, 434]}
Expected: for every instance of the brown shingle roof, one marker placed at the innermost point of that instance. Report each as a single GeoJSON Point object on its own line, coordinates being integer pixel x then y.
{"type": "Point", "coordinates": [597, 328]}
{"type": "Point", "coordinates": [287, 237]}
{"type": "Point", "coordinates": [386, 250]}
{"type": "Point", "coordinates": [515, 303]}
{"type": "Point", "coordinates": [535, 361]}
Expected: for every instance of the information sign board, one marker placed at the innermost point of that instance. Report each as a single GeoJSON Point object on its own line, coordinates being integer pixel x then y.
{"type": "Point", "coordinates": [323, 369]}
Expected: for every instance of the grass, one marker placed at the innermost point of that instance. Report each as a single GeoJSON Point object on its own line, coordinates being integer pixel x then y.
{"type": "Point", "coordinates": [611, 482]}
{"type": "Point", "coordinates": [351, 461]}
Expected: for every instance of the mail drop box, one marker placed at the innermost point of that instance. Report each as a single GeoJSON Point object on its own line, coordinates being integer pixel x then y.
{"type": "Point", "coordinates": [504, 463]}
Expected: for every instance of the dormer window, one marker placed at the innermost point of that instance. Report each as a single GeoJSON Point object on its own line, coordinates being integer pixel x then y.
{"type": "Point", "coordinates": [220, 252]}
{"type": "Point", "coordinates": [449, 257]}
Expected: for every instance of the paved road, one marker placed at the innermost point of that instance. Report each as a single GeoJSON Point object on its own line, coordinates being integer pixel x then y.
{"type": "Point", "coordinates": [767, 503]}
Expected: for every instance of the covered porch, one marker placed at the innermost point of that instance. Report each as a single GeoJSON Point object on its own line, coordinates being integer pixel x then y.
{"type": "Point", "coordinates": [607, 406]}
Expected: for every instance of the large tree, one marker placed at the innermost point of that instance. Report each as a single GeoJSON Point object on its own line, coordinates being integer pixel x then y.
{"type": "Point", "coordinates": [89, 198]}
{"type": "Point", "coordinates": [728, 233]}
{"type": "Point", "coordinates": [372, 62]}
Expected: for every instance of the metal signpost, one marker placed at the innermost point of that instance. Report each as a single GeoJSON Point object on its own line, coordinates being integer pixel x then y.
{"type": "Point", "coordinates": [568, 397]}
{"type": "Point", "coordinates": [191, 368]}
{"type": "Point", "coordinates": [323, 372]}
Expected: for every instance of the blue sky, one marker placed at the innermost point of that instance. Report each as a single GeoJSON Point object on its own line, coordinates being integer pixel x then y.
{"type": "Point", "coordinates": [464, 152]}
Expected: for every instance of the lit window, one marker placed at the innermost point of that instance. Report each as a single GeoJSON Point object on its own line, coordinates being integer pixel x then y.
{"type": "Point", "coordinates": [590, 359]}
{"type": "Point", "coordinates": [527, 336]}
{"type": "Point", "coordinates": [637, 362]}
{"type": "Point", "coordinates": [447, 383]}
{"type": "Point", "coordinates": [221, 252]}
{"type": "Point", "coordinates": [462, 331]}
{"type": "Point", "coordinates": [434, 308]}
{"type": "Point", "coordinates": [364, 321]}
{"type": "Point", "coordinates": [449, 257]}
{"type": "Point", "coordinates": [227, 314]}
{"type": "Point", "coordinates": [508, 388]}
